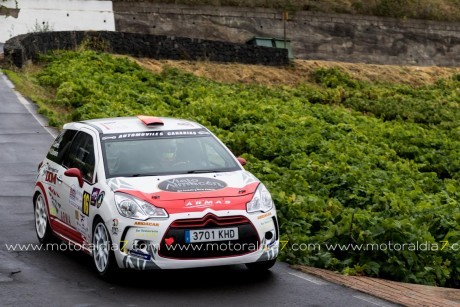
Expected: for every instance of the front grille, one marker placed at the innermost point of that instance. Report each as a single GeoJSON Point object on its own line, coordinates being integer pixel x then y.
{"type": "Point", "coordinates": [248, 239]}
{"type": "Point", "coordinates": [210, 219]}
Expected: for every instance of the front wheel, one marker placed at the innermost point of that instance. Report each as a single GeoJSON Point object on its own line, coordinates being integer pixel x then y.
{"type": "Point", "coordinates": [261, 266]}
{"type": "Point", "coordinates": [103, 256]}
{"type": "Point", "coordinates": [42, 225]}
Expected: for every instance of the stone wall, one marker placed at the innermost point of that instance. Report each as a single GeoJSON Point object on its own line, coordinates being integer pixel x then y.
{"type": "Point", "coordinates": [22, 48]}
{"type": "Point", "coordinates": [318, 36]}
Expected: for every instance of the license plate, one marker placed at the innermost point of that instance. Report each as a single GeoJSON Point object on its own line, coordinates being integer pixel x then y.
{"type": "Point", "coordinates": [210, 235]}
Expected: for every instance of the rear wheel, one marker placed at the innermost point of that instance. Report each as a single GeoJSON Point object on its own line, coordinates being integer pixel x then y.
{"type": "Point", "coordinates": [261, 266]}
{"type": "Point", "coordinates": [42, 224]}
{"type": "Point", "coordinates": [103, 256]}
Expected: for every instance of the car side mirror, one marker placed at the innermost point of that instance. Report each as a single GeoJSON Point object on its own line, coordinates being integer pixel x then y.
{"type": "Point", "coordinates": [75, 172]}
{"type": "Point", "coordinates": [242, 161]}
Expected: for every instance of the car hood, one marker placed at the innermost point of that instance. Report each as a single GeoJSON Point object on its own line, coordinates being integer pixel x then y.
{"type": "Point", "coordinates": [190, 192]}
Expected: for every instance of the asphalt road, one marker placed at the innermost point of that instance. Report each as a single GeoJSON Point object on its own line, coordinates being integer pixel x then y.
{"type": "Point", "coordinates": [63, 278]}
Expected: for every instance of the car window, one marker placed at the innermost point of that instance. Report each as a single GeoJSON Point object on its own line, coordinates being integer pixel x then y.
{"type": "Point", "coordinates": [163, 156]}
{"type": "Point", "coordinates": [61, 145]}
{"type": "Point", "coordinates": [81, 155]}
{"type": "Point", "coordinates": [213, 156]}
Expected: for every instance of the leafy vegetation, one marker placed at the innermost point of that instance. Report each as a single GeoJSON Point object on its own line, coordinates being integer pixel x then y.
{"type": "Point", "coordinates": [348, 162]}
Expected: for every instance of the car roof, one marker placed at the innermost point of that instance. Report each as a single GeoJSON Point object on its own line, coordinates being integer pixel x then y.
{"type": "Point", "coordinates": [139, 123]}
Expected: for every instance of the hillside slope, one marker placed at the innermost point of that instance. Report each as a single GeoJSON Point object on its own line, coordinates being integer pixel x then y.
{"type": "Point", "coordinates": [301, 71]}
{"type": "Point", "coordinates": [365, 174]}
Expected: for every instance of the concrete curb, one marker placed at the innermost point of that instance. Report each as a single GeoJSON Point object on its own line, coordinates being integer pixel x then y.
{"type": "Point", "coordinates": [396, 292]}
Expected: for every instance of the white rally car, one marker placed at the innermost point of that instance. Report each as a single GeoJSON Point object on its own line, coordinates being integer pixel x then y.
{"type": "Point", "coordinates": [153, 193]}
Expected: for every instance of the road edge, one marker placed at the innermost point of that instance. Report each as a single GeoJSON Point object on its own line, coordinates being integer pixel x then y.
{"type": "Point", "coordinates": [396, 292]}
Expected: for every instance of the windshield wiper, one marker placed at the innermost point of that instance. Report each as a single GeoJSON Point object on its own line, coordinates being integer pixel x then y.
{"type": "Point", "coordinates": [143, 175]}
{"type": "Point", "coordinates": [198, 171]}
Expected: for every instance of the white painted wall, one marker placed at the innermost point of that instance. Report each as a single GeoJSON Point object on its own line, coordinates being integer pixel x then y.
{"type": "Point", "coordinates": [59, 15]}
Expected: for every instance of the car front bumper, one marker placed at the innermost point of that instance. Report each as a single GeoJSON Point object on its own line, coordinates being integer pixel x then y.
{"type": "Point", "coordinates": [159, 244]}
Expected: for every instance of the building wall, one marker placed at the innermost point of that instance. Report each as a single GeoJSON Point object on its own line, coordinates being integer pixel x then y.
{"type": "Point", "coordinates": [57, 15]}
{"type": "Point", "coordinates": [318, 36]}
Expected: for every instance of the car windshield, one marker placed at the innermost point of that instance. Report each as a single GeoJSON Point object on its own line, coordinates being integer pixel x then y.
{"type": "Point", "coordinates": [135, 157]}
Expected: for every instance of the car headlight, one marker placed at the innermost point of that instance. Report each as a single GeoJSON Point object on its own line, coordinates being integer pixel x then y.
{"type": "Point", "coordinates": [262, 200]}
{"type": "Point", "coordinates": [134, 208]}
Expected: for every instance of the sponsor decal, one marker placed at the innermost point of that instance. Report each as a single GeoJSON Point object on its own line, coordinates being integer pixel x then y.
{"type": "Point", "coordinates": [191, 184]}
{"type": "Point", "coordinates": [51, 177]}
{"type": "Point", "coordinates": [146, 233]}
{"type": "Point", "coordinates": [53, 211]}
{"type": "Point", "coordinates": [270, 251]}
{"type": "Point", "coordinates": [264, 215]}
{"type": "Point", "coordinates": [268, 221]}
{"type": "Point", "coordinates": [146, 224]}
{"type": "Point", "coordinates": [94, 195]}
{"type": "Point", "coordinates": [82, 223]}
{"type": "Point", "coordinates": [205, 203]}
{"type": "Point", "coordinates": [86, 203]}
{"type": "Point", "coordinates": [139, 254]}
{"type": "Point", "coordinates": [137, 263]}
{"type": "Point", "coordinates": [52, 169]}
{"type": "Point", "coordinates": [53, 192]}
{"type": "Point", "coordinates": [139, 135]}
{"type": "Point", "coordinates": [199, 204]}
{"type": "Point", "coordinates": [55, 205]}
{"type": "Point", "coordinates": [75, 197]}
{"type": "Point", "coordinates": [156, 134]}
{"type": "Point", "coordinates": [186, 132]}
{"type": "Point", "coordinates": [65, 217]}
{"type": "Point", "coordinates": [100, 198]}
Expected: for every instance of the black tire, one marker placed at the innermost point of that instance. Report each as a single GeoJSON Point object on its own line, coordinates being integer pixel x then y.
{"type": "Point", "coordinates": [261, 266]}
{"type": "Point", "coordinates": [104, 261]}
{"type": "Point", "coordinates": [42, 223]}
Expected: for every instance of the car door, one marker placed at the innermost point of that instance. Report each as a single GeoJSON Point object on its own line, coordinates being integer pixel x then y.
{"type": "Point", "coordinates": [53, 170]}
{"type": "Point", "coordinates": [82, 156]}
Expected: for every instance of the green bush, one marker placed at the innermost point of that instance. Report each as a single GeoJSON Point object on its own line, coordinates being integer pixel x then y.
{"type": "Point", "coordinates": [349, 163]}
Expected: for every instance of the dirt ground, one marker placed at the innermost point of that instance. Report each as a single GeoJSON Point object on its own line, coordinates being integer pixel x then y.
{"type": "Point", "coordinates": [300, 72]}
